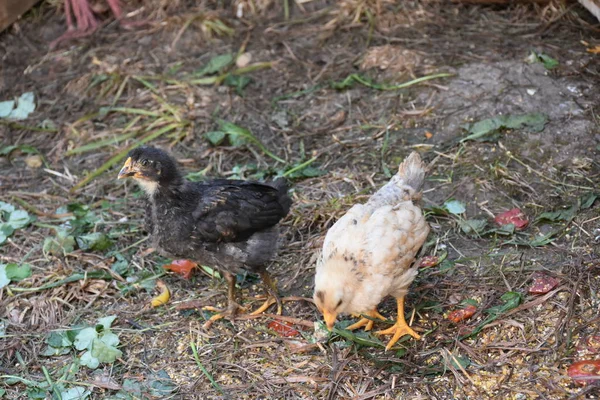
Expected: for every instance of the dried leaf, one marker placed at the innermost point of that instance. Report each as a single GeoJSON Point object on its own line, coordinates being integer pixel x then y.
{"type": "Point", "coordinates": [429, 261]}
{"type": "Point", "coordinates": [460, 315]}
{"type": "Point", "coordinates": [515, 217]}
{"type": "Point", "coordinates": [283, 328]}
{"type": "Point", "coordinates": [181, 267]}
{"type": "Point", "coordinates": [164, 295]}
{"type": "Point", "coordinates": [542, 284]}
{"type": "Point", "coordinates": [584, 372]}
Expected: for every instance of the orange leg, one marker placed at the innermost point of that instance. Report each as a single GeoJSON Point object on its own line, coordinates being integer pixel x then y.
{"type": "Point", "coordinates": [366, 322]}
{"type": "Point", "coordinates": [273, 298]}
{"type": "Point", "coordinates": [400, 328]}
{"type": "Point", "coordinates": [233, 308]}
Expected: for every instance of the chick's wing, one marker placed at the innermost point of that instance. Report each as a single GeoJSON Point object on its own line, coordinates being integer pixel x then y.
{"type": "Point", "coordinates": [233, 212]}
{"type": "Point", "coordinates": [383, 240]}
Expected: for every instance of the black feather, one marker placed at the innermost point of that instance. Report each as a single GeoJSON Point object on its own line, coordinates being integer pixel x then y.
{"type": "Point", "coordinates": [228, 224]}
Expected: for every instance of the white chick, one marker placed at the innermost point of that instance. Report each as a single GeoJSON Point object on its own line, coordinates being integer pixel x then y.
{"type": "Point", "coordinates": [367, 254]}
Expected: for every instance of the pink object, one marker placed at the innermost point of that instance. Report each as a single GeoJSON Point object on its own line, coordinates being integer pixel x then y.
{"type": "Point", "coordinates": [85, 21]}
{"type": "Point", "coordinates": [515, 217]}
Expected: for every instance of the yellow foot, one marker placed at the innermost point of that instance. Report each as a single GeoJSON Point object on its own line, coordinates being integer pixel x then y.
{"type": "Point", "coordinates": [367, 322]}
{"type": "Point", "coordinates": [399, 329]}
{"type": "Point", "coordinates": [232, 310]}
{"type": "Point", "coordinates": [268, 303]}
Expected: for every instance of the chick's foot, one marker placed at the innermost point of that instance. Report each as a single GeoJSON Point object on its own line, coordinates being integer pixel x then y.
{"type": "Point", "coordinates": [400, 328]}
{"type": "Point", "coordinates": [230, 312]}
{"type": "Point", "coordinates": [367, 322]}
{"type": "Point", "coordinates": [273, 296]}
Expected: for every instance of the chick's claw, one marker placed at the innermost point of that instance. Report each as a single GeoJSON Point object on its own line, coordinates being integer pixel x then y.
{"type": "Point", "coordinates": [399, 329]}
{"type": "Point", "coordinates": [232, 310]}
{"type": "Point", "coordinates": [367, 322]}
{"type": "Point", "coordinates": [268, 303]}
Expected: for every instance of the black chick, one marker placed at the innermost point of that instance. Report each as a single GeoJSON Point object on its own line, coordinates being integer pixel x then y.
{"type": "Point", "coordinates": [228, 224]}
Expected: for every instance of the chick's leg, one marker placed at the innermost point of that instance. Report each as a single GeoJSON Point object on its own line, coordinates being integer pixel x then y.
{"type": "Point", "coordinates": [273, 298]}
{"type": "Point", "coordinates": [400, 328]}
{"type": "Point", "coordinates": [367, 322]}
{"type": "Point", "coordinates": [85, 22]}
{"type": "Point", "coordinates": [233, 307]}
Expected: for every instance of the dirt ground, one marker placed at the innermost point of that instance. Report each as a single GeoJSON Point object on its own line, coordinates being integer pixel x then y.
{"type": "Point", "coordinates": [122, 86]}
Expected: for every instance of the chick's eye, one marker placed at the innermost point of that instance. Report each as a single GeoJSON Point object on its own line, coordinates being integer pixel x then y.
{"type": "Point", "coordinates": [339, 303]}
{"type": "Point", "coordinates": [144, 163]}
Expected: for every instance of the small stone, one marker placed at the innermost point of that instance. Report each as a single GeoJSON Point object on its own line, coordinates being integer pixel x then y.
{"type": "Point", "coordinates": [243, 60]}
{"type": "Point", "coordinates": [34, 161]}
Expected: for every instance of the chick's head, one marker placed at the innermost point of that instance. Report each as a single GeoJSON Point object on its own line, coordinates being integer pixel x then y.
{"type": "Point", "coordinates": [150, 167]}
{"type": "Point", "coordinates": [333, 294]}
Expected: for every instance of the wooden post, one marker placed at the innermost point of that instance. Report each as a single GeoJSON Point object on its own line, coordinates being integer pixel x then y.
{"type": "Point", "coordinates": [10, 10]}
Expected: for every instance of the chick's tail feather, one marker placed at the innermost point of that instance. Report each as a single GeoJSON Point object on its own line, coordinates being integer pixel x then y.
{"type": "Point", "coordinates": [282, 186]}
{"type": "Point", "coordinates": [410, 176]}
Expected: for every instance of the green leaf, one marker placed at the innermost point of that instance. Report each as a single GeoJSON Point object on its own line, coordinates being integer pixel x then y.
{"type": "Point", "coordinates": [4, 281]}
{"type": "Point", "coordinates": [510, 299]}
{"type": "Point", "coordinates": [93, 241]}
{"type": "Point", "coordinates": [58, 344]}
{"type": "Point", "coordinates": [239, 82]}
{"type": "Point", "coordinates": [6, 107]}
{"type": "Point", "coordinates": [25, 106]}
{"type": "Point", "coordinates": [24, 148]}
{"type": "Point", "coordinates": [215, 137]}
{"type": "Point", "coordinates": [459, 362]}
{"type": "Point", "coordinates": [542, 240]}
{"type": "Point", "coordinates": [19, 219]}
{"type": "Point", "coordinates": [506, 230]}
{"type": "Point", "coordinates": [360, 337]}
{"type": "Point", "coordinates": [50, 351]}
{"type": "Point", "coordinates": [472, 226]}
{"type": "Point", "coordinates": [75, 393]}
{"type": "Point", "coordinates": [239, 136]}
{"type": "Point", "coordinates": [89, 360]}
{"type": "Point", "coordinates": [106, 322]}
{"type": "Point", "coordinates": [34, 392]}
{"type": "Point", "coordinates": [350, 79]}
{"type": "Point", "coordinates": [588, 200]}
{"type": "Point", "coordinates": [546, 60]}
{"type": "Point", "coordinates": [161, 384]}
{"type": "Point", "coordinates": [454, 207]}
{"type": "Point", "coordinates": [560, 215]}
{"type": "Point", "coordinates": [110, 339]}
{"type": "Point", "coordinates": [105, 353]}
{"type": "Point", "coordinates": [16, 272]}
{"type": "Point", "coordinates": [121, 266]}
{"type": "Point", "coordinates": [132, 386]}
{"type": "Point", "coordinates": [85, 338]}
{"type": "Point", "coordinates": [9, 208]}
{"type": "Point", "coordinates": [300, 171]}
{"type": "Point", "coordinates": [62, 244]}
{"type": "Point", "coordinates": [533, 122]}
{"type": "Point", "coordinates": [215, 64]}
{"type": "Point", "coordinates": [5, 231]}
{"type": "Point", "coordinates": [468, 302]}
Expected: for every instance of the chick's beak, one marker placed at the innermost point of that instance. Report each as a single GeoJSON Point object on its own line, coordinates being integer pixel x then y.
{"type": "Point", "coordinates": [330, 318]}
{"type": "Point", "coordinates": [127, 170]}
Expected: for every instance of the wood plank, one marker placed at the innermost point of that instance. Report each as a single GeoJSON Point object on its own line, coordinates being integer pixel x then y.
{"type": "Point", "coordinates": [10, 10]}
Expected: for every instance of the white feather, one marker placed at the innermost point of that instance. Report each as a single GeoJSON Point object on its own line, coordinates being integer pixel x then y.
{"type": "Point", "coordinates": [150, 187]}
{"type": "Point", "coordinates": [368, 252]}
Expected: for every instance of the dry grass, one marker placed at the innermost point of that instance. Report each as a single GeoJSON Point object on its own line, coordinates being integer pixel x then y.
{"type": "Point", "coordinates": [355, 135]}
